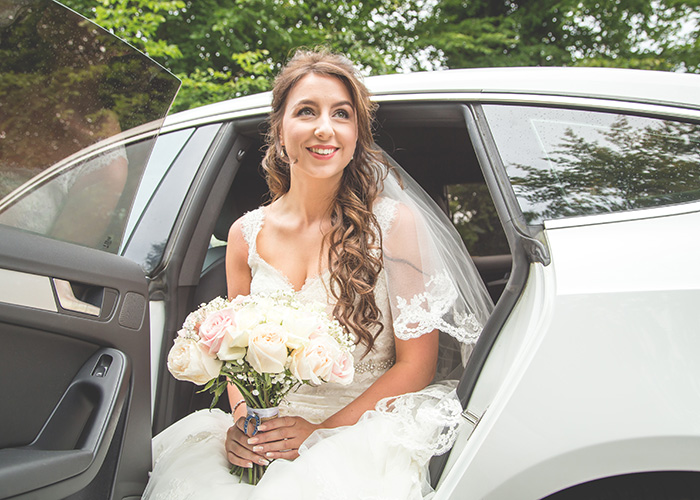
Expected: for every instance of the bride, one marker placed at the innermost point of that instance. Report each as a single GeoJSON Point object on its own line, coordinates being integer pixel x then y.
{"type": "Point", "coordinates": [345, 228]}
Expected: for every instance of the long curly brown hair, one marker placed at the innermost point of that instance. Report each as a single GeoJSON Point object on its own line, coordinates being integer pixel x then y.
{"type": "Point", "coordinates": [354, 240]}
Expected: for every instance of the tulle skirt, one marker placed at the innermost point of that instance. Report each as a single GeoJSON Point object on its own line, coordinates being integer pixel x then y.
{"type": "Point", "coordinates": [384, 456]}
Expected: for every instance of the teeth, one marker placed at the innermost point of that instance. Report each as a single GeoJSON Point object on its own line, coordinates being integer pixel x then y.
{"type": "Point", "coordinates": [322, 151]}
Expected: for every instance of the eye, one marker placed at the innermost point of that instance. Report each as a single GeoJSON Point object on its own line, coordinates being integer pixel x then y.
{"type": "Point", "coordinates": [341, 113]}
{"type": "Point", "coordinates": [305, 111]}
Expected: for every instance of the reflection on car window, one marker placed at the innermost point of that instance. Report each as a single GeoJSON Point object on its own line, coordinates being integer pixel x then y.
{"type": "Point", "coordinates": [84, 202]}
{"type": "Point", "coordinates": [70, 93]}
{"type": "Point", "coordinates": [147, 241]}
{"type": "Point", "coordinates": [564, 163]}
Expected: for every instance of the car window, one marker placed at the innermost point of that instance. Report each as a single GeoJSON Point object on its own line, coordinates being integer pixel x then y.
{"type": "Point", "coordinates": [564, 163]}
{"type": "Point", "coordinates": [84, 203]}
{"type": "Point", "coordinates": [72, 96]}
{"type": "Point", "coordinates": [474, 216]}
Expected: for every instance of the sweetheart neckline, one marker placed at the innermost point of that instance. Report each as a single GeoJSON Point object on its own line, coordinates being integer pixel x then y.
{"type": "Point", "coordinates": [254, 252]}
{"type": "Point", "coordinates": [307, 282]}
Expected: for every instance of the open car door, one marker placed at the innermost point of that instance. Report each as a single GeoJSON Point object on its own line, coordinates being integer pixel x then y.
{"type": "Point", "coordinates": [75, 411]}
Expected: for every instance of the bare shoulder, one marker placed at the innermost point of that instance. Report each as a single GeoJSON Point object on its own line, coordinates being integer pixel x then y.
{"type": "Point", "coordinates": [238, 274]}
{"type": "Point", "coordinates": [237, 246]}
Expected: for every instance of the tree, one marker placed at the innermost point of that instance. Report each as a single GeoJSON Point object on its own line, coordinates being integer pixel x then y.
{"type": "Point", "coordinates": [228, 48]}
{"type": "Point", "coordinates": [661, 34]}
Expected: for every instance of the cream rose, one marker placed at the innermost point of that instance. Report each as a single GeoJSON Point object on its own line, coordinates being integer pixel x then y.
{"type": "Point", "coordinates": [188, 361]}
{"type": "Point", "coordinates": [214, 327]}
{"type": "Point", "coordinates": [267, 348]}
{"type": "Point", "coordinates": [314, 363]}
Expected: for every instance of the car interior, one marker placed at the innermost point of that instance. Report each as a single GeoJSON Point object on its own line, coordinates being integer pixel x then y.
{"type": "Point", "coordinates": [428, 140]}
{"type": "Point", "coordinates": [432, 145]}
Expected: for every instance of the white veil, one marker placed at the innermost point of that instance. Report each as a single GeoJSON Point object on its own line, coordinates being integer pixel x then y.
{"type": "Point", "coordinates": [431, 279]}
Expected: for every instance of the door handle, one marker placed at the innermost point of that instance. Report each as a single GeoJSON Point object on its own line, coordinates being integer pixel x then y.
{"type": "Point", "coordinates": [68, 301]}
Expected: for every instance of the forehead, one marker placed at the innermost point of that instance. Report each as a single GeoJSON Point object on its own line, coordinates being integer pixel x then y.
{"type": "Point", "coordinates": [320, 89]}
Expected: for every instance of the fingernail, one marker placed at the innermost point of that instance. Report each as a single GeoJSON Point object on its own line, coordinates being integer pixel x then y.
{"type": "Point", "coordinates": [257, 448]}
{"type": "Point", "coordinates": [262, 428]}
{"type": "Point", "coordinates": [262, 461]}
{"type": "Point", "coordinates": [253, 441]}
{"type": "Point", "coordinates": [268, 454]}
{"type": "Point", "coordinates": [249, 465]}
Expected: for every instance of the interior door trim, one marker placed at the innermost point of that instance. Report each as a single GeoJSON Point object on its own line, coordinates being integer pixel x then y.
{"type": "Point", "coordinates": [28, 290]}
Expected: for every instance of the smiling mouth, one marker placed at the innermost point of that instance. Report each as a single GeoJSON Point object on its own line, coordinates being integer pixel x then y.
{"type": "Point", "coordinates": [323, 151]}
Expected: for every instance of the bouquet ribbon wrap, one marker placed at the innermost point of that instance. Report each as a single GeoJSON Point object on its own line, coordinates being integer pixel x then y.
{"type": "Point", "coordinates": [258, 415]}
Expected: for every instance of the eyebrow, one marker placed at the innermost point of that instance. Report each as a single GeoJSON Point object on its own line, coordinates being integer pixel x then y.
{"type": "Point", "coordinates": [311, 101]}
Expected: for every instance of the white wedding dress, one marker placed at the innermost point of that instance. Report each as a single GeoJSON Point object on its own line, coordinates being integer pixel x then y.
{"type": "Point", "coordinates": [383, 456]}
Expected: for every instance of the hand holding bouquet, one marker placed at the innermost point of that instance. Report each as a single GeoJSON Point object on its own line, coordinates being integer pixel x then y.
{"type": "Point", "coordinates": [266, 345]}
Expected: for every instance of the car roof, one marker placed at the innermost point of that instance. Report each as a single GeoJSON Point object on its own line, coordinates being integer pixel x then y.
{"type": "Point", "coordinates": [650, 87]}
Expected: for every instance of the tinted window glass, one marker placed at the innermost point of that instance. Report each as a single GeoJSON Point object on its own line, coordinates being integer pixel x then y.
{"type": "Point", "coordinates": [564, 163]}
{"type": "Point", "coordinates": [85, 202]}
{"type": "Point", "coordinates": [70, 93]}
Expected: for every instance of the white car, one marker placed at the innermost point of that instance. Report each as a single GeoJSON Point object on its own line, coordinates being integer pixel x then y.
{"type": "Point", "coordinates": [577, 191]}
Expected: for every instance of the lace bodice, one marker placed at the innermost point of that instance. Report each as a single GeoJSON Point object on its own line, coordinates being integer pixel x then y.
{"type": "Point", "coordinates": [318, 403]}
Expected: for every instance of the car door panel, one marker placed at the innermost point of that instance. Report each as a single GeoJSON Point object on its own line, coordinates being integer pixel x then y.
{"type": "Point", "coordinates": [67, 378]}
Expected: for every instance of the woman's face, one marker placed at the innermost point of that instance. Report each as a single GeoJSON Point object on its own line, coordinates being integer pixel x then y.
{"type": "Point", "coordinates": [319, 127]}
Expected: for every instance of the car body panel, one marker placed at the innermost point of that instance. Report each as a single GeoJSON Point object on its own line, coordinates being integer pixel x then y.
{"type": "Point", "coordinates": [613, 392]}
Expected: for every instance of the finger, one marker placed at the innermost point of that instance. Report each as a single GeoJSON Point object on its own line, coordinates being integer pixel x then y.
{"type": "Point", "coordinates": [242, 456]}
{"type": "Point", "coordinates": [287, 455]}
{"type": "Point", "coordinates": [240, 424]}
{"type": "Point", "coordinates": [272, 436]}
{"type": "Point", "coordinates": [277, 423]}
{"type": "Point", "coordinates": [239, 452]}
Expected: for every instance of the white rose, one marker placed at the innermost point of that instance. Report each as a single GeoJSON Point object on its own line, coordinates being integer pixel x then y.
{"type": "Point", "coordinates": [248, 317]}
{"type": "Point", "coordinates": [233, 344]}
{"type": "Point", "coordinates": [188, 361]}
{"type": "Point", "coordinates": [300, 325]}
{"type": "Point", "coordinates": [267, 349]}
{"type": "Point", "coordinates": [314, 363]}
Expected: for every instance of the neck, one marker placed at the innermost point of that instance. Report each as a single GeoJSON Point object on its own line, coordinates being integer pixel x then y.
{"type": "Point", "coordinates": [310, 201]}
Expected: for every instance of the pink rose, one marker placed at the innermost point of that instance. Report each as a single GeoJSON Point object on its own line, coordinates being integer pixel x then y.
{"type": "Point", "coordinates": [343, 369]}
{"type": "Point", "coordinates": [212, 330]}
{"type": "Point", "coordinates": [314, 363]}
{"type": "Point", "coordinates": [267, 348]}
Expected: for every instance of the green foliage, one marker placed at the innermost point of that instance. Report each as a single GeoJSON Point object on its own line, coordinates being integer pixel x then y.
{"type": "Point", "coordinates": [227, 48]}
{"type": "Point", "coordinates": [474, 216]}
{"type": "Point", "coordinates": [622, 33]}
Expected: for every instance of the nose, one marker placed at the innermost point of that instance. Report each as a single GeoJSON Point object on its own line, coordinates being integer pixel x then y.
{"type": "Point", "coordinates": [324, 128]}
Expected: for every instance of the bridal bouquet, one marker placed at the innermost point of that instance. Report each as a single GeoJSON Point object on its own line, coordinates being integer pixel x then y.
{"type": "Point", "coordinates": [266, 345]}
